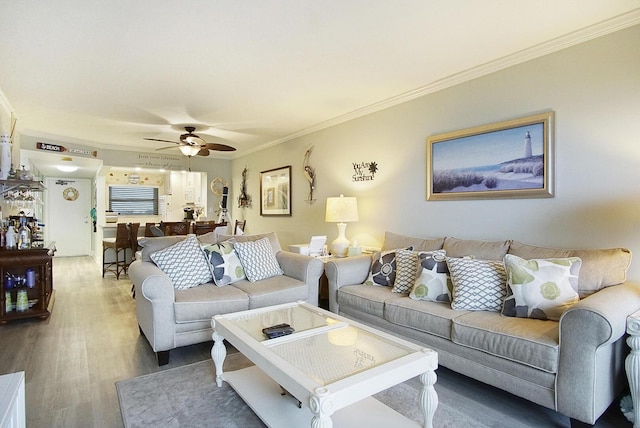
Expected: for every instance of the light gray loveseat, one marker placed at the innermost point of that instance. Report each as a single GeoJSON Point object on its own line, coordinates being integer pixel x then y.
{"type": "Point", "coordinates": [170, 318]}
{"type": "Point", "coordinates": [574, 366]}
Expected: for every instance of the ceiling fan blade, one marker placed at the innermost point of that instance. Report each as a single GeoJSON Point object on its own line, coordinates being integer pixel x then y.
{"type": "Point", "coordinates": [165, 148]}
{"type": "Point", "coordinates": [203, 152]}
{"type": "Point", "coordinates": [220, 147]}
{"type": "Point", "coordinates": [164, 141]}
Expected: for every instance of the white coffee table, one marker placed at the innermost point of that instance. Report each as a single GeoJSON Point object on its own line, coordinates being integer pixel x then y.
{"type": "Point", "coordinates": [330, 364]}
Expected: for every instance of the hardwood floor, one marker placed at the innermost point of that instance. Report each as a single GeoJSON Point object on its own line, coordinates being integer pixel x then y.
{"type": "Point", "coordinates": [73, 359]}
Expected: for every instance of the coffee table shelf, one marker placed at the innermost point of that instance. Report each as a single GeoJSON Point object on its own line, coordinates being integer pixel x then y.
{"type": "Point", "coordinates": [330, 363]}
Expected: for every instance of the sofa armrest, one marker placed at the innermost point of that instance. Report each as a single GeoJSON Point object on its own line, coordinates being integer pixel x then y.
{"type": "Point", "coordinates": [345, 271]}
{"type": "Point", "coordinates": [592, 351]}
{"type": "Point", "coordinates": [154, 304]}
{"type": "Point", "coordinates": [303, 268]}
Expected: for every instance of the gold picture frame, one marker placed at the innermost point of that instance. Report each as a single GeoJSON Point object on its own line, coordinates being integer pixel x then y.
{"type": "Point", "coordinates": [275, 192]}
{"type": "Point", "coordinates": [509, 159]}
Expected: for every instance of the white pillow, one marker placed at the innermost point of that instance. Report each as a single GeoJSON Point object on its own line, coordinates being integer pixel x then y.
{"type": "Point", "coordinates": [184, 263]}
{"type": "Point", "coordinates": [258, 259]}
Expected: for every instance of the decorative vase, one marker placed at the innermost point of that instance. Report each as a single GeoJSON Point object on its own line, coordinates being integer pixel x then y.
{"type": "Point", "coordinates": [5, 156]}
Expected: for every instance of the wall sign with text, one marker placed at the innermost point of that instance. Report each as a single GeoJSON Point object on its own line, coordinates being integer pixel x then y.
{"type": "Point", "coordinates": [364, 171]}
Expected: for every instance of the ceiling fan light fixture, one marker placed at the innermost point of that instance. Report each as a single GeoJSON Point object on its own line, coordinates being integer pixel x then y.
{"type": "Point", "coordinates": [189, 150]}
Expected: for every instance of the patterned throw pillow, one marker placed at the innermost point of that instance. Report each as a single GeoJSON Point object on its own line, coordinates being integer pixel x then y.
{"type": "Point", "coordinates": [184, 263]}
{"type": "Point", "coordinates": [540, 288]}
{"type": "Point", "coordinates": [383, 269]}
{"type": "Point", "coordinates": [225, 264]}
{"type": "Point", "coordinates": [433, 282]}
{"type": "Point", "coordinates": [406, 270]}
{"type": "Point", "coordinates": [478, 285]}
{"type": "Point", "coordinates": [257, 259]}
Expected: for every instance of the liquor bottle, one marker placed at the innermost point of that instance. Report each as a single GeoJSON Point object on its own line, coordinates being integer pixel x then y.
{"type": "Point", "coordinates": [24, 235]}
{"type": "Point", "coordinates": [10, 237]}
{"type": "Point", "coordinates": [3, 237]}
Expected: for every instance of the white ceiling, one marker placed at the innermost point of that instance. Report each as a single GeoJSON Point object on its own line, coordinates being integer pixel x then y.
{"type": "Point", "coordinates": [253, 73]}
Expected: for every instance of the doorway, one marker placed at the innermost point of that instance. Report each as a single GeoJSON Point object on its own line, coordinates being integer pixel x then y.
{"type": "Point", "coordinates": [68, 220]}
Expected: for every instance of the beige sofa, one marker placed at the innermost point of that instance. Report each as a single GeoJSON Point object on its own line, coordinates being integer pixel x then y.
{"type": "Point", "coordinates": [170, 317]}
{"type": "Point", "coordinates": [574, 366]}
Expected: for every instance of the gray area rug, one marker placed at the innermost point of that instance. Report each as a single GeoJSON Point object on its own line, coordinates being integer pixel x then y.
{"type": "Point", "coordinates": [188, 397]}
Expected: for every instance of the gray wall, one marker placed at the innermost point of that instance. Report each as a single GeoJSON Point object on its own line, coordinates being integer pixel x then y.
{"type": "Point", "coordinates": [594, 88]}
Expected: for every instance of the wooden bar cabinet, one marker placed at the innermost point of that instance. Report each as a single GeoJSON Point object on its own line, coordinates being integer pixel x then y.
{"type": "Point", "coordinates": [26, 283]}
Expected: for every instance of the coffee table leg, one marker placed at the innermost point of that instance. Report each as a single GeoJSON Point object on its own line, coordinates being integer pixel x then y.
{"type": "Point", "coordinates": [321, 406]}
{"type": "Point", "coordinates": [218, 353]}
{"type": "Point", "coordinates": [428, 397]}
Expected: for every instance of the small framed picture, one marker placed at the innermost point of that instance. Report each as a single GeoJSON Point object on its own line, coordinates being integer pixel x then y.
{"type": "Point", "coordinates": [275, 192]}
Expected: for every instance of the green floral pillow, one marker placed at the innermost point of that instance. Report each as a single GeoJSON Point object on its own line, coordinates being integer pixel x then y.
{"type": "Point", "coordinates": [540, 288]}
{"type": "Point", "coordinates": [432, 282]}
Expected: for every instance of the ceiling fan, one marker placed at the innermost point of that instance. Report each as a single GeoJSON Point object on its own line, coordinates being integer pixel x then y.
{"type": "Point", "coordinates": [191, 144]}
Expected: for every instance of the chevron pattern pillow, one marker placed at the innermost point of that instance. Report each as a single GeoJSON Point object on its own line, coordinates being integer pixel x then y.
{"type": "Point", "coordinates": [478, 285]}
{"type": "Point", "coordinates": [184, 263]}
{"type": "Point", "coordinates": [257, 259]}
{"type": "Point", "coordinates": [540, 288]}
{"type": "Point", "coordinates": [225, 263]}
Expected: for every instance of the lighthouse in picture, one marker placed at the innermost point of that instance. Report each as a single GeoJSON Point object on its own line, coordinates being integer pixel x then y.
{"type": "Point", "coordinates": [527, 145]}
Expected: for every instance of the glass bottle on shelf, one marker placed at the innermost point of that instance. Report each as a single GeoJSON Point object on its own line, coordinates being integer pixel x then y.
{"type": "Point", "coordinates": [24, 235]}
{"type": "Point", "coordinates": [10, 237]}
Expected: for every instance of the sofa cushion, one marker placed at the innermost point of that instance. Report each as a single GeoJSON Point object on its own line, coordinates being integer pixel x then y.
{"type": "Point", "coordinates": [225, 263]}
{"type": "Point", "coordinates": [184, 263]}
{"type": "Point", "coordinates": [258, 259]}
{"type": "Point", "coordinates": [540, 288]}
{"type": "Point", "coordinates": [600, 268]}
{"type": "Point", "coordinates": [204, 301]}
{"type": "Point", "coordinates": [152, 244]}
{"type": "Point", "coordinates": [478, 285]}
{"type": "Point", "coordinates": [394, 240]}
{"type": "Point", "coordinates": [523, 340]}
{"type": "Point", "coordinates": [273, 291]}
{"type": "Point", "coordinates": [485, 250]}
{"type": "Point", "coordinates": [364, 298]}
{"type": "Point", "coordinates": [383, 269]}
{"type": "Point", "coordinates": [429, 317]}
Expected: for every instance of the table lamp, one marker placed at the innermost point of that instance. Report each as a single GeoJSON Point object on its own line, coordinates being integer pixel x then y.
{"type": "Point", "coordinates": [341, 210]}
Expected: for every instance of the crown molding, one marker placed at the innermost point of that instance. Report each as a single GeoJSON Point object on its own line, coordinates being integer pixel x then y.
{"type": "Point", "coordinates": [575, 38]}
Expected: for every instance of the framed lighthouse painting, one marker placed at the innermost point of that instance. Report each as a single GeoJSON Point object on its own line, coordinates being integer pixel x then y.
{"type": "Point", "coordinates": [509, 159]}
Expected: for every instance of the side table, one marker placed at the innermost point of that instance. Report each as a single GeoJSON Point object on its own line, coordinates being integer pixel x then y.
{"type": "Point", "coordinates": [632, 364]}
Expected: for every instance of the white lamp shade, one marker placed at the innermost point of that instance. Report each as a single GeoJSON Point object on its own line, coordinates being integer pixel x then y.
{"type": "Point", "coordinates": [341, 210]}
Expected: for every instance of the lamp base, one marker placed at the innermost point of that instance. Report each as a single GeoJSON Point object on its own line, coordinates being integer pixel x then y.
{"type": "Point", "coordinates": [340, 245]}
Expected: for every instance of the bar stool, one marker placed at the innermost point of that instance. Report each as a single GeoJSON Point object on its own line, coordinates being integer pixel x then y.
{"type": "Point", "coordinates": [133, 237]}
{"type": "Point", "coordinates": [171, 228]}
{"type": "Point", "coordinates": [119, 244]}
{"type": "Point", "coordinates": [202, 227]}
